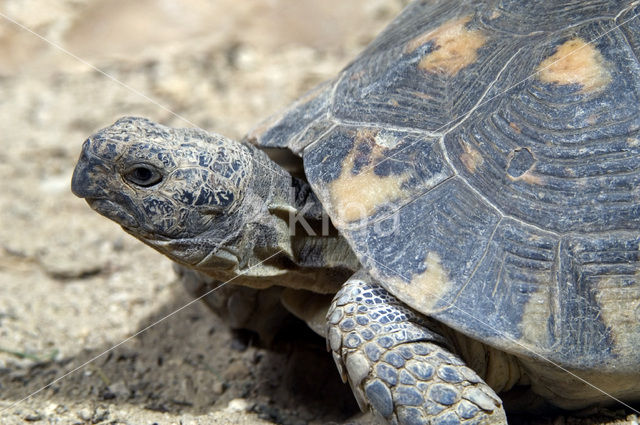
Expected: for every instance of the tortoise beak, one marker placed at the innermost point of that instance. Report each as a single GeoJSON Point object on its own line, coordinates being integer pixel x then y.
{"type": "Point", "coordinates": [80, 180]}
{"type": "Point", "coordinates": [88, 182]}
{"type": "Point", "coordinates": [85, 180]}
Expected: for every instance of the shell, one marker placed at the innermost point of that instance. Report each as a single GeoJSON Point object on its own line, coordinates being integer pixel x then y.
{"type": "Point", "coordinates": [483, 161]}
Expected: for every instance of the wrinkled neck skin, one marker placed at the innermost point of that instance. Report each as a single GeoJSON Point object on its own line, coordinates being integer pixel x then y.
{"type": "Point", "coordinates": [263, 244]}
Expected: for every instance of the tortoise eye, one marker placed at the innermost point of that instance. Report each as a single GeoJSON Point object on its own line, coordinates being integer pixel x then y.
{"type": "Point", "coordinates": [143, 175]}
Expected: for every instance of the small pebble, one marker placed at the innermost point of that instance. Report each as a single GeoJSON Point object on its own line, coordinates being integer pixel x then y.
{"type": "Point", "coordinates": [100, 414]}
{"type": "Point", "coordinates": [218, 387]}
{"type": "Point", "coordinates": [33, 417]}
{"type": "Point", "coordinates": [235, 371]}
{"type": "Point", "coordinates": [85, 414]}
{"type": "Point", "coordinates": [237, 405]}
{"type": "Point", "coordinates": [120, 390]}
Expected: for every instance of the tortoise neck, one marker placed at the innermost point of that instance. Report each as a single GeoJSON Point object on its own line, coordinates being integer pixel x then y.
{"type": "Point", "coordinates": [288, 241]}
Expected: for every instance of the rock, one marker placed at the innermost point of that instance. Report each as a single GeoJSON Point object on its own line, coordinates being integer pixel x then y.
{"type": "Point", "coordinates": [237, 370]}
{"type": "Point", "coordinates": [120, 390]}
{"type": "Point", "coordinates": [218, 388]}
{"type": "Point", "coordinates": [85, 414]}
{"type": "Point", "coordinates": [238, 405]}
{"type": "Point", "coordinates": [33, 417]}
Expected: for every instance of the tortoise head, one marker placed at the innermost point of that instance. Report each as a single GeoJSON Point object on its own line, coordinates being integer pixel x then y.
{"type": "Point", "coordinates": [184, 192]}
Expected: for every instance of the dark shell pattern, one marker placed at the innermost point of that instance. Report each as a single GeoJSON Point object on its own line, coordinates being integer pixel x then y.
{"type": "Point", "coordinates": [483, 160]}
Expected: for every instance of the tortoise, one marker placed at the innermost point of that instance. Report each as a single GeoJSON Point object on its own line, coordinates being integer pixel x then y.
{"type": "Point", "coordinates": [479, 164]}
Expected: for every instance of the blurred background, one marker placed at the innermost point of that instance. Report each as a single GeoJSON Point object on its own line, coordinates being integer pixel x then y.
{"type": "Point", "coordinates": [72, 284]}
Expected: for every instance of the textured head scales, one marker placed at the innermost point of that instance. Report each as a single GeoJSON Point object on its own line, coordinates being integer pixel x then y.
{"type": "Point", "coordinates": [164, 185]}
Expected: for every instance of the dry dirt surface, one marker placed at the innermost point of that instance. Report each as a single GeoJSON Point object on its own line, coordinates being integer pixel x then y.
{"type": "Point", "coordinates": [85, 307]}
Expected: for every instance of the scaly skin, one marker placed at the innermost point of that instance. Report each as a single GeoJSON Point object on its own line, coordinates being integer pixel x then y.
{"type": "Point", "coordinates": [398, 367]}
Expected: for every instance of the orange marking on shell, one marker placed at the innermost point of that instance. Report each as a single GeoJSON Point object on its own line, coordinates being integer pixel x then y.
{"type": "Point", "coordinates": [471, 158]}
{"type": "Point", "coordinates": [530, 178]}
{"type": "Point", "coordinates": [576, 62]}
{"type": "Point", "coordinates": [357, 196]}
{"type": "Point", "coordinates": [425, 289]}
{"type": "Point", "coordinates": [456, 47]}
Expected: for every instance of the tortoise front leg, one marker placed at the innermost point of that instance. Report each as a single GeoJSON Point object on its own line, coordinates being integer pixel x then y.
{"type": "Point", "coordinates": [398, 367]}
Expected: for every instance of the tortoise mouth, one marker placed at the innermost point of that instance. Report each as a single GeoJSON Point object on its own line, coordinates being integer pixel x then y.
{"type": "Point", "coordinates": [114, 212]}
{"type": "Point", "coordinates": [211, 259]}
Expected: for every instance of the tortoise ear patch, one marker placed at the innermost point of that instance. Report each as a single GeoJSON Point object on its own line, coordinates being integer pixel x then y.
{"type": "Point", "coordinates": [576, 62]}
{"type": "Point", "coordinates": [455, 47]}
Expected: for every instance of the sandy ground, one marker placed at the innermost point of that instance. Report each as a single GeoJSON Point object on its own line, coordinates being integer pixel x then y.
{"type": "Point", "coordinates": [82, 304]}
